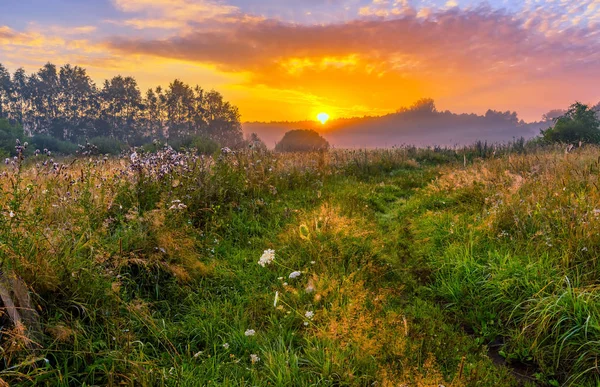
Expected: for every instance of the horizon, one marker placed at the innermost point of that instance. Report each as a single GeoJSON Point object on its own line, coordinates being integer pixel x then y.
{"type": "Point", "coordinates": [347, 59]}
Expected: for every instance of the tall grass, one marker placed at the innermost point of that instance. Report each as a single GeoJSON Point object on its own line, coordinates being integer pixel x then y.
{"type": "Point", "coordinates": [512, 243]}
{"type": "Point", "coordinates": [143, 268]}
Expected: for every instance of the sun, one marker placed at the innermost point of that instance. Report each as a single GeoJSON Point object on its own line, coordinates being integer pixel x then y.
{"type": "Point", "coordinates": [323, 117]}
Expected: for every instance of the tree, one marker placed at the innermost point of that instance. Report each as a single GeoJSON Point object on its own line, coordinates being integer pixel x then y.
{"type": "Point", "coordinates": [255, 143]}
{"type": "Point", "coordinates": [579, 123]}
{"type": "Point", "coordinates": [44, 87]}
{"type": "Point", "coordinates": [121, 103]}
{"type": "Point", "coordinates": [19, 96]}
{"type": "Point", "coordinates": [424, 106]}
{"type": "Point", "coordinates": [67, 105]}
{"type": "Point", "coordinates": [9, 134]}
{"type": "Point", "coordinates": [301, 140]}
{"type": "Point", "coordinates": [179, 102]}
{"type": "Point", "coordinates": [5, 91]}
{"type": "Point", "coordinates": [553, 114]}
{"type": "Point", "coordinates": [223, 120]}
{"type": "Point", "coordinates": [78, 104]}
{"type": "Point", "coordinates": [502, 117]}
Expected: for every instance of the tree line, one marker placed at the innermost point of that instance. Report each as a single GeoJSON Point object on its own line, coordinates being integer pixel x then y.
{"type": "Point", "coordinates": [66, 104]}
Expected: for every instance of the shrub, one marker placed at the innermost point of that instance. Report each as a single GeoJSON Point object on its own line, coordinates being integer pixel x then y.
{"type": "Point", "coordinates": [108, 145]}
{"type": "Point", "coordinates": [579, 123]}
{"type": "Point", "coordinates": [205, 145]}
{"type": "Point", "coordinates": [43, 141]}
{"type": "Point", "coordinates": [254, 142]}
{"type": "Point", "coordinates": [8, 136]}
{"type": "Point", "coordinates": [301, 140]}
{"type": "Point", "coordinates": [202, 144]}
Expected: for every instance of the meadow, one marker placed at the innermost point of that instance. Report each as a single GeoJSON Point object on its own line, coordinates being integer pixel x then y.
{"type": "Point", "coordinates": [394, 267]}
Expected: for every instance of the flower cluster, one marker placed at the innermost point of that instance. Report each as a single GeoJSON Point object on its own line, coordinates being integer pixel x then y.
{"type": "Point", "coordinates": [177, 205]}
{"type": "Point", "coordinates": [267, 258]}
{"type": "Point", "coordinates": [164, 162]}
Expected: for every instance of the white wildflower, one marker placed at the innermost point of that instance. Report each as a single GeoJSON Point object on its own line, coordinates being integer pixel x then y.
{"type": "Point", "coordinates": [267, 258]}
{"type": "Point", "coordinates": [312, 262]}
{"type": "Point", "coordinates": [306, 323]}
{"type": "Point", "coordinates": [11, 214]}
{"type": "Point", "coordinates": [177, 205]}
{"type": "Point", "coordinates": [226, 345]}
{"type": "Point", "coordinates": [254, 358]}
{"type": "Point", "coordinates": [295, 274]}
{"type": "Point", "coordinates": [309, 314]}
{"type": "Point", "coordinates": [250, 332]}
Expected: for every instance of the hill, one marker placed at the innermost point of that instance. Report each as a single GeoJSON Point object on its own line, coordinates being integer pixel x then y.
{"type": "Point", "coordinates": [421, 125]}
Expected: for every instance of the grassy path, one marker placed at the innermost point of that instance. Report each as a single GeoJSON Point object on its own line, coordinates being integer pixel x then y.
{"type": "Point", "coordinates": [354, 315]}
{"type": "Point", "coordinates": [378, 270]}
{"type": "Point", "coordinates": [163, 297]}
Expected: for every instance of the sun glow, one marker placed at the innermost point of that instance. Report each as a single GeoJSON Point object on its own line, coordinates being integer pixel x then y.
{"type": "Point", "coordinates": [323, 117]}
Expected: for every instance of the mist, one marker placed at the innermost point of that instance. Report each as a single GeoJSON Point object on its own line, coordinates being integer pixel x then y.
{"type": "Point", "coordinates": [421, 125]}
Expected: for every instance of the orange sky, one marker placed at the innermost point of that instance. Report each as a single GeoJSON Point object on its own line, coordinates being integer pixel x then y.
{"type": "Point", "coordinates": [346, 58]}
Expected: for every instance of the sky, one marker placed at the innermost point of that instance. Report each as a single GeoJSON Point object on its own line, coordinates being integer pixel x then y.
{"type": "Point", "coordinates": [292, 59]}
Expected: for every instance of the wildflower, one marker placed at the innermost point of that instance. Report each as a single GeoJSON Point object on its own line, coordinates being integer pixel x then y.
{"type": "Point", "coordinates": [267, 257]}
{"type": "Point", "coordinates": [177, 205]}
{"type": "Point", "coordinates": [226, 345]}
{"type": "Point", "coordinates": [306, 323]}
{"type": "Point", "coordinates": [276, 299]}
{"type": "Point", "coordinates": [250, 332]}
{"type": "Point", "coordinates": [295, 274]}
{"type": "Point", "coordinates": [11, 214]}
{"type": "Point", "coordinates": [254, 358]}
{"type": "Point", "coordinates": [312, 262]}
{"type": "Point", "coordinates": [584, 249]}
{"type": "Point", "coordinates": [309, 314]}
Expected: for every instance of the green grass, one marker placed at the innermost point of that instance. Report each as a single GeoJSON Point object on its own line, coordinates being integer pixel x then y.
{"type": "Point", "coordinates": [411, 262]}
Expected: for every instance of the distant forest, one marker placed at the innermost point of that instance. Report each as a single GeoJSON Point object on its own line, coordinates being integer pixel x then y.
{"type": "Point", "coordinates": [66, 105]}
{"type": "Point", "coordinates": [421, 124]}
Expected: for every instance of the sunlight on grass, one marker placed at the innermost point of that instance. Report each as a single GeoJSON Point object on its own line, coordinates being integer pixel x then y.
{"type": "Point", "coordinates": [396, 267]}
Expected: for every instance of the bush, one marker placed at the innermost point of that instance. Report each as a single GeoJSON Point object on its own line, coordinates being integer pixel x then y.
{"type": "Point", "coordinates": [202, 144]}
{"type": "Point", "coordinates": [301, 140]}
{"type": "Point", "coordinates": [205, 145]}
{"type": "Point", "coordinates": [580, 123]}
{"type": "Point", "coordinates": [8, 137]}
{"type": "Point", "coordinates": [43, 141]}
{"type": "Point", "coordinates": [108, 145]}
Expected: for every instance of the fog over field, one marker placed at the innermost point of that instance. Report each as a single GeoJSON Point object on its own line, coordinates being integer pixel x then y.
{"type": "Point", "coordinates": [421, 124]}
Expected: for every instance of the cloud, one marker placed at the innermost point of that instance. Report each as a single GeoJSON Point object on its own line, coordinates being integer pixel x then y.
{"type": "Point", "coordinates": [451, 41]}
{"type": "Point", "coordinates": [173, 14]}
{"type": "Point", "coordinates": [375, 57]}
{"type": "Point", "coordinates": [382, 62]}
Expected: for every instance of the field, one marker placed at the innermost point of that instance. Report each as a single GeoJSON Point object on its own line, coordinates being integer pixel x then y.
{"type": "Point", "coordinates": [405, 266]}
